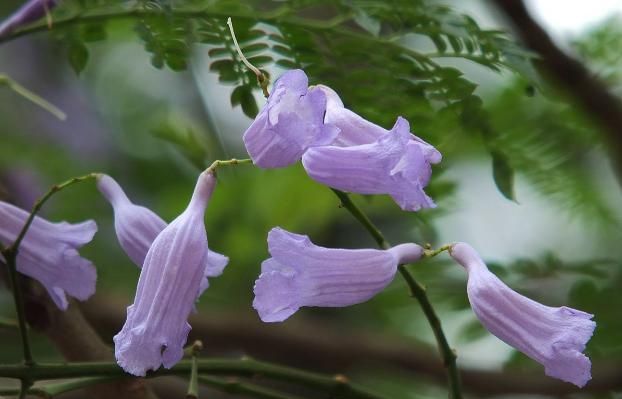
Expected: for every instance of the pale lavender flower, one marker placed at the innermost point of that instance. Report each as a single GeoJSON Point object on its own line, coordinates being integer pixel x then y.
{"type": "Point", "coordinates": [395, 163]}
{"type": "Point", "coordinates": [554, 337]}
{"type": "Point", "coordinates": [300, 273]}
{"type": "Point", "coordinates": [29, 12]}
{"type": "Point", "coordinates": [156, 327]}
{"type": "Point", "coordinates": [291, 122]}
{"type": "Point", "coordinates": [137, 227]}
{"type": "Point", "coordinates": [356, 130]}
{"type": "Point", "coordinates": [48, 253]}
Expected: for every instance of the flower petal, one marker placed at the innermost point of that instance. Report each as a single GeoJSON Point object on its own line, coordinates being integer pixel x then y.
{"type": "Point", "coordinates": [48, 253]}
{"type": "Point", "coordinates": [300, 273]}
{"type": "Point", "coordinates": [156, 328]}
{"type": "Point", "coordinates": [554, 337]}
{"type": "Point", "coordinates": [291, 122]}
{"type": "Point", "coordinates": [394, 164]}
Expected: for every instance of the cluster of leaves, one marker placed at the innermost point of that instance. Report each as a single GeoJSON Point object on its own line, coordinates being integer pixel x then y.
{"type": "Point", "coordinates": [310, 34]}
{"type": "Point", "coordinates": [362, 49]}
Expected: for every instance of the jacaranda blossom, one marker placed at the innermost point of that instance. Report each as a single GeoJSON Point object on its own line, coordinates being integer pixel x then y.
{"type": "Point", "coordinates": [554, 337]}
{"type": "Point", "coordinates": [291, 122]}
{"type": "Point", "coordinates": [156, 327]}
{"type": "Point", "coordinates": [29, 12]}
{"type": "Point", "coordinates": [300, 273]}
{"type": "Point", "coordinates": [137, 227]}
{"type": "Point", "coordinates": [48, 253]}
{"type": "Point", "coordinates": [395, 163]}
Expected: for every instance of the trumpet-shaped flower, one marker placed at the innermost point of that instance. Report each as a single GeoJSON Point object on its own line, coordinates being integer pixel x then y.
{"type": "Point", "coordinates": [156, 327]}
{"type": "Point", "coordinates": [29, 12]}
{"type": "Point", "coordinates": [394, 163]}
{"type": "Point", "coordinates": [291, 122]}
{"type": "Point", "coordinates": [48, 253]}
{"type": "Point", "coordinates": [300, 273]}
{"type": "Point", "coordinates": [554, 337]}
{"type": "Point", "coordinates": [137, 227]}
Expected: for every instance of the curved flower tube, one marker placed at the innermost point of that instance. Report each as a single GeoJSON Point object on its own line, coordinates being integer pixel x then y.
{"type": "Point", "coordinates": [137, 227]}
{"type": "Point", "coordinates": [291, 122]}
{"type": "Point", "coordinates": [395, 164]}
{"type": "Point", "coordinates": [554, 337]}
{"type": "Point", "coordinates": [29, 12]}
{"type": "Point", "coordinates": [355, 130]}
{"type": "Point", "coordinates": [300, 273]}
{"type": "Point", "coordinates": [156, 327]}
{"type": "Point", "coordinates": [49, 253]}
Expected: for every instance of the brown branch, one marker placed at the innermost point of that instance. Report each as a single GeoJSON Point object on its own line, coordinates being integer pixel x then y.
{"type": "Point", "coordinates": [591, 93]}
{"type": "Point", "coordinates": [323, 347]}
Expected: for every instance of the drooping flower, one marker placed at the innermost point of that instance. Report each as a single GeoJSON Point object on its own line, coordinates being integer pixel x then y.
{"type": "Point", "coordinates": [137, 227]}
{"type": "Point", "coordinates": [300, 273]}
{"type": "Point", "coordinates": [395, 163]}
{"type": "Point", "coordinates": [29, 12]}
{"type": "Point", "coordinates": [554, 337]}
{"type": "Point", "coordinates": [49, 253]}
{"type": "Point", "coordinates": [156, 327]}
{"type": "Point", "coordinates": [291, 122]}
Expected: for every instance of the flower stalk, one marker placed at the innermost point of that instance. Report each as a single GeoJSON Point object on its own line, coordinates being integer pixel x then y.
{"type": "Point", "coordinates": [262, 79]}
{"type": "Point", "coordinates": [417, 291]}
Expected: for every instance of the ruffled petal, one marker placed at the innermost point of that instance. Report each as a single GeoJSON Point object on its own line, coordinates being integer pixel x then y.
{"type": "Point", "coordinates": [394, 164]}
{"type": "Point", "coordinates": [156, 328]}
{"type": "Point", "coordinates": [554, 337]}
{"type": "Point", "coordinates": [291, 122]}
{"type": "Point", "coordinates": [48, 253]}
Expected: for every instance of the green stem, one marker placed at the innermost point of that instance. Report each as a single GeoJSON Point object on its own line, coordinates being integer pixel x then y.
{"type": "Point", "coordinates": [34, 98]}
{"type": "Point", "coordinates": [417, 291]}
{"type": "Point", "coordinates": [237, 387]}
{"type": "Point", "coordinates": [346, 202]}
{"type": "Point", "coordinates": [8, 323]}
{"type": "Point", "coordinates": [51, 390]}
{"type": "Point", "coordinates": [193, 385]}
{"type": "Point", "coordinates": [218, 163]}
{"type": "Point", "coordinates": [242, 367]}
{"type": "Point", "coordinates": [449, 355]}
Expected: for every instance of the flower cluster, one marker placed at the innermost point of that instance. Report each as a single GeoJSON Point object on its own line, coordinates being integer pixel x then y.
{"type": "Point", "coordinates": [339, 149]}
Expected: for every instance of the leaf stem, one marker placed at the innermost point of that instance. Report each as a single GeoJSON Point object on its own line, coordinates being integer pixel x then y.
{"type": "Point", "coordinates": [218, 163]}
{"type": "Point", "coordinates": [417, 291]}
{"type": "Point", "coordinates": [32, 97]}
{"type": "Point", "coordinates": [261, 78]}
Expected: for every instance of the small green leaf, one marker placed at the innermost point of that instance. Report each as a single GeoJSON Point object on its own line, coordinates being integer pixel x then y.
{"type": "Point", "coordinates": [503, 175]}
{"type": "Point", "coordinates": [78, 56]}
{"type": "Point", "coordinates": [248, 103]}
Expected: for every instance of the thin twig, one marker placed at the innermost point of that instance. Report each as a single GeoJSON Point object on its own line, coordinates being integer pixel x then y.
{"type": "Point", "coordinates": [32, 97]}
{"type": "Point", "coordinates": [336, 385]}
{"type": "Point", "coordinates": [417, 291]}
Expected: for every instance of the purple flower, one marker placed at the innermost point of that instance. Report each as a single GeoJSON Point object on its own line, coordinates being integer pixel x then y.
{"type": "Point", "coordinates": [137, 227]}
{"type": "Point", "coordinates": [29, 12]}
{"type": "Point", "coordinates": [48, 253]}
{"type": "Point", "coordinates": [156, 327]}
{"type": "Point", "coordinates": [291, 122]}
{"type": "Point", "coordinates": [554, 337]}
{"type": "Point", "coordinates": [394, 163]}
{"type": "Point", "coordinates": [300, 273]}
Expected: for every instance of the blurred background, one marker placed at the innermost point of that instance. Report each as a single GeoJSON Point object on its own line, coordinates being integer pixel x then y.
{"type": "Point", "coordinates": [530, 175]}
